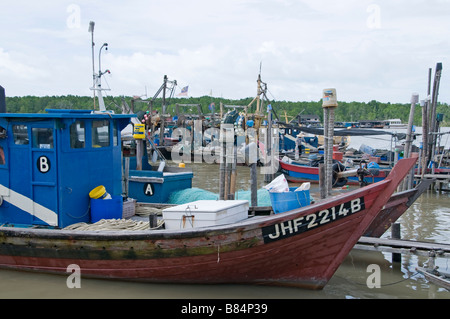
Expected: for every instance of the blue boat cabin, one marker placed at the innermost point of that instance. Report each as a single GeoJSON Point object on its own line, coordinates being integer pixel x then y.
{"type": "Point", "coordinates": [50, 162]}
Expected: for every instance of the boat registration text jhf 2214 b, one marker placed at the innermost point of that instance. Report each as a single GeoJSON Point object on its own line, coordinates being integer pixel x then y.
{"type": "Point", "coordinates": [309, 222]}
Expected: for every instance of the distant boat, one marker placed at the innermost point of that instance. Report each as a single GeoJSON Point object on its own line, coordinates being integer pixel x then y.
{"type": "Point", "coordinates": [394, 123]}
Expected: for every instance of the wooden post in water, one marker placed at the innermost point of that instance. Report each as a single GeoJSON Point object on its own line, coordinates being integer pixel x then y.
{"type": "Point", "coordinates": [322, 180]}
{"type": "Point", "coordinates": [222, 172]}
{"type": "Point", "coordinates": [254, 185]}
{"type": "Point", "coordinates": [226, 140]}
{"type": "Point", "coordinates": [222, 162]}
{"type": "Point", "coordinates": [268, 177]}
{"type": "Point", "coordinates": [252, 162]}
{"type": "Point", "coordinates": [163, 112]}
{"type": "Point", "coordinates": [330, 149]}
{"type": "Point", "coordinates": [409, 137]}
{"type": "Point", "coordinates": [432, 111]}
{"type": "Point", "coordinates": [396, 234]}
{"type": "Point", "coordinates": [426, 104]}
{"type": "Point", "coordinates": [325, 148]}
{"type": "Point", "coordinates": [329, 104]}
{"type": "Point", "coordinates": [232, 191]}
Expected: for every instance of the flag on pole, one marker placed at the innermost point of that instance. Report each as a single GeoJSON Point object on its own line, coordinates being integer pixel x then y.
{"type": "Point", "coordinates": [184, 91]}
{"type": "Point", "coordinates": [212, 106]}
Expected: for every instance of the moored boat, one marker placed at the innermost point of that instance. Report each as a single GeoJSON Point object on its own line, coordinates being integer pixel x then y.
{"type": "Point", "coordinates": [394, 123]}
{"type": "Point", "coordinates": [301, 248]}
{"type": "Point", "coordinates": [298, 173]}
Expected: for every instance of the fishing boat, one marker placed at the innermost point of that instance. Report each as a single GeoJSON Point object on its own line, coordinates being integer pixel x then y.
{"type": "Point", "coordinates": [300, 248]}
{"type": "Point", "coordinates": [297, 172]}
{"type": "Point", "coordinates": [51, 161]}
{"type": "Point", "coordinates": [394, 123]}
{"type": "Point", "coordinates": [438, 277]}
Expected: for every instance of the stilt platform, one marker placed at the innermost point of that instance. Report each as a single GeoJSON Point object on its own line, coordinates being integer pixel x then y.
{"type": "Point", "coordinates": [400, 246]}
{"type": "Point", "coordinates": [441, 181]}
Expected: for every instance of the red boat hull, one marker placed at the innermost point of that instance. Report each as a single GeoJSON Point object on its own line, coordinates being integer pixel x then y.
{"type": "Point", "coordinates": [303, 173]}
{"type": "Point", "coordinates": [301, 248]}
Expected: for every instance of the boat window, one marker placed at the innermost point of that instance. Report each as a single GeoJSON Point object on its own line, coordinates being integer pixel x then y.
{"type": "Point", "coordinates": [77, 135]}
{"type": "Point", "coordinates": [100, 134]}
{"type": "Point", "coordinates": [42, 137]}
{"type": "Point", "coordinates": [2, 156]}
{"type": "Point", "coordinates": [3, 132]}
{"type": "Point", "coordinates": [20, 133]}
{"type": "Point", "coordinates": [115, 136]}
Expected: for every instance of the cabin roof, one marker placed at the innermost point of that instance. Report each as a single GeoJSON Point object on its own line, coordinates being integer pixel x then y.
{"type": "Point", "coordinates": [60, 114]}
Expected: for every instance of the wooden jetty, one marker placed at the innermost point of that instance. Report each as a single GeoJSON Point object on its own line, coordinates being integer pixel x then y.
{"type": "Point", "coordinates": [400, 246]}
{"type": "Point", "coordinates": [436, 276]}
{"type": "Point", "coordinates": [441, 181]}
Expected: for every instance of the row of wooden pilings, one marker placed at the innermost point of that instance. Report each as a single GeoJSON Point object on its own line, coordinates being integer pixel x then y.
{"type": "Point", "coordinates": [228, 161]}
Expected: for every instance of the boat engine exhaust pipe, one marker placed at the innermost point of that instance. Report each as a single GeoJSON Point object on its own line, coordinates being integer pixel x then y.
{"type": "Point", "coordinates": [2, 100]}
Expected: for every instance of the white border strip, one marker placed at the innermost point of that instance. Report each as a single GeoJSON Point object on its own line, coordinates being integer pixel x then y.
{"type": "Point", "coordinates": [27, 205]}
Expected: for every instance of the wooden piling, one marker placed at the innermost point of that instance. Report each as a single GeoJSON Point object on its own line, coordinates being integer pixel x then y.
{"type": "Point", "coordinates": [254, 185]}
{"type": "Point", "coordinates": [409, 137]}
{"type": "Point", "coordinates": [330, 150]}
{"type": "Point", "coordinates": [232, 191]}
{"type": "Point", "coordinates": [322, 181]}
{"type": "Point", "coordinates": [425, 126]}
{"type": "Point", "coordinates": [222, 161]}
{"type": "Point", "coordinates": [329, 104]}
{"type": "Point", "coordinates": [432, 112]}
{"type": "Point", "coordinates": [325, 148]}
{"type": "Point", "coordinates": [396, 234]}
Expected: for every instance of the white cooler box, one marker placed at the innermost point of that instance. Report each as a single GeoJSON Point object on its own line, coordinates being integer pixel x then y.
{"type": "Point", "coordinates": [205, 213]}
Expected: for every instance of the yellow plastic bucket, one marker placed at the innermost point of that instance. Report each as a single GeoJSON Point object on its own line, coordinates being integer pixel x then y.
{"type": "Point", "coordinates": [99, 193]}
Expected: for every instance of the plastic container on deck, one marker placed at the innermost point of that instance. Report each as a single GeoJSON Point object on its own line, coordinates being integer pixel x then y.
{"type": "Point", "coordinates": [287, 201]}
{"type": "Point", "coordinates": [106, 208]}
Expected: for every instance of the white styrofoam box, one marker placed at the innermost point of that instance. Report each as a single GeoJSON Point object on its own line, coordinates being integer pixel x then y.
{"type": "Point", "coordinates": [205, 213]}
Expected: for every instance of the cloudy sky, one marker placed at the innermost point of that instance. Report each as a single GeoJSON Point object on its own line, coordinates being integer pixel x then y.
{"type": "Point", "coordinates": [367, 50]}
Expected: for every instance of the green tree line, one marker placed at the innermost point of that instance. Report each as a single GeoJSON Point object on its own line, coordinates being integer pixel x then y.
{"type": "Point", "coordinates": [345, 112]}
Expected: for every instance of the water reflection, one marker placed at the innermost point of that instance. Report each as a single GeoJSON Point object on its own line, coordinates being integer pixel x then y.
{"type": "Point", "coordinates": [428, 219]}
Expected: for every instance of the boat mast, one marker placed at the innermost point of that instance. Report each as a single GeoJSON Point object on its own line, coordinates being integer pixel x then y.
{"type": "Point", "coordinates": [91, 30]}
{"type": "Point", "coordinates": [96, 77]}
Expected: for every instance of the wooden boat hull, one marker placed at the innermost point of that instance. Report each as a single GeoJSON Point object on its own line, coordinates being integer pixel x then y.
{"type": "Point", "coordinates": [301, 248]}
{"type": "Point", "coordinates": [303, 173]}
{"type": "Point", "coordinates": [397, 205]}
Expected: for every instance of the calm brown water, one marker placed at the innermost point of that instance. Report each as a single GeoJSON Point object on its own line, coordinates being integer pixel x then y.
{"type": "Point", "coordinates": [428, 219]}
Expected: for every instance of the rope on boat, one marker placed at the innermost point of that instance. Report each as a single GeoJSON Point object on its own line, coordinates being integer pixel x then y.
{"type": "Point", "coordinates": [114, 225]}
{"type": "Point", "coordinates": [144, 211]}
